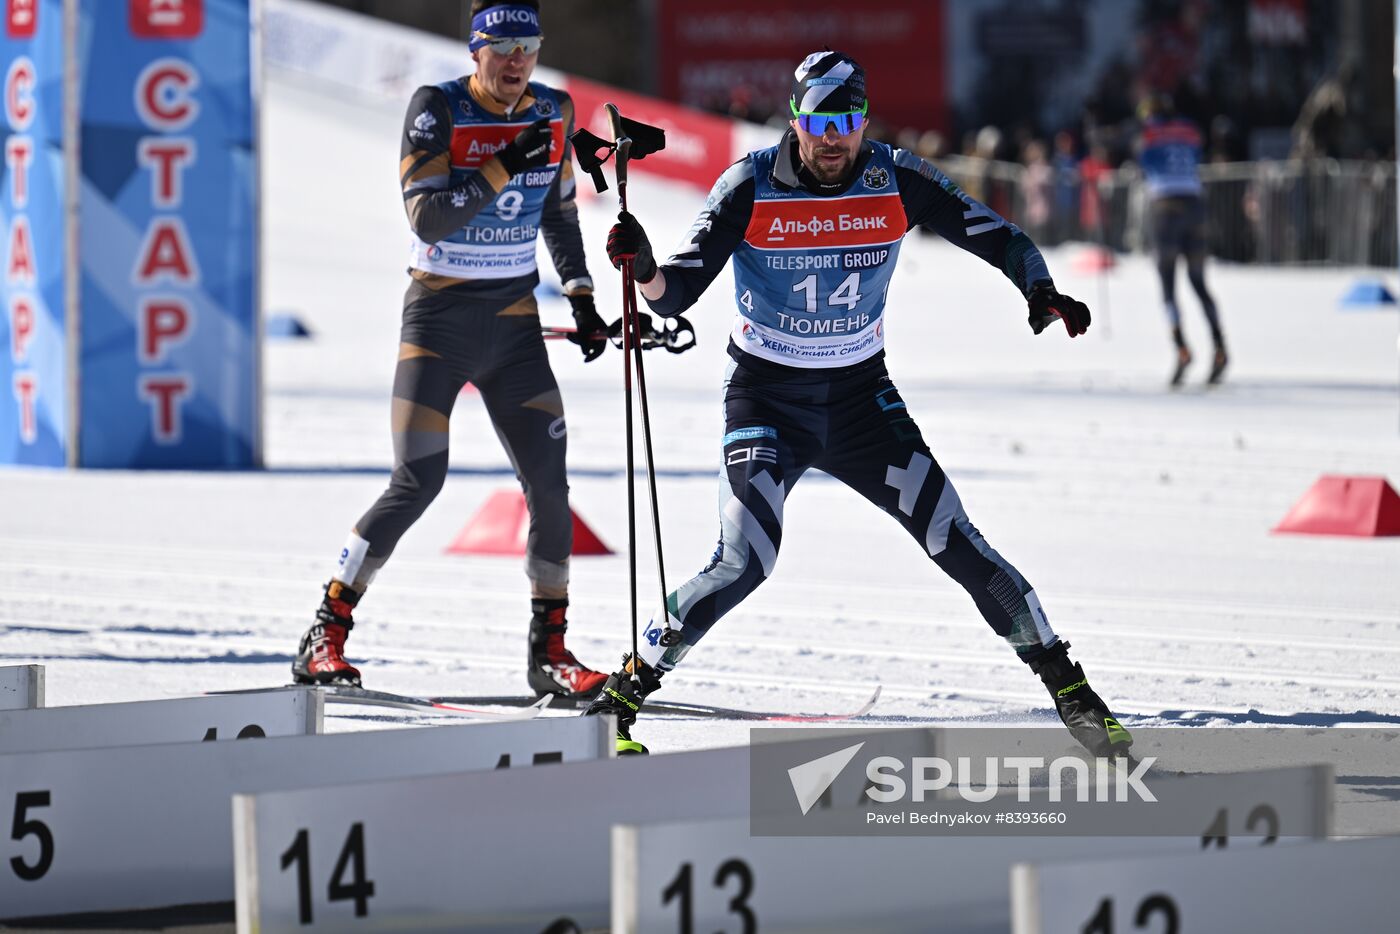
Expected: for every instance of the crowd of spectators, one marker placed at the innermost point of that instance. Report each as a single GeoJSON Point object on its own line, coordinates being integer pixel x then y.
{"type": "Point", "coordinates": [1293, 86]}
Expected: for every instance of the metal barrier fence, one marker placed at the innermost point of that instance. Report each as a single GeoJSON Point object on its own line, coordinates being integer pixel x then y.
{"type": "Point", "coordinates": [1321, 211]}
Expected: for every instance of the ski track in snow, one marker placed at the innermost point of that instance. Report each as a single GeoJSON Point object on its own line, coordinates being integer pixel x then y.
{"type": "Point", "coordinates": [1142, 516]}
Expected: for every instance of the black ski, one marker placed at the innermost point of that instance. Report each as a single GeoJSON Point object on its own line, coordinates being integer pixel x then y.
{"type": "Point", "coordinates": [674, 708]}
{"type": "Point", "coordinates": [347, 694]}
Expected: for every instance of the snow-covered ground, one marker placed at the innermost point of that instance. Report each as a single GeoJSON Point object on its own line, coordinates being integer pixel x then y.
{"type": "Point", "coordinates": [1142, 516]}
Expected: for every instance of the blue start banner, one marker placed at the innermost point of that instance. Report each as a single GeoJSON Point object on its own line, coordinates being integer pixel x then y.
{"type": "Point", "coordinates": [167, 235]}
{"type": "Point", "coordinates": [34, 373]}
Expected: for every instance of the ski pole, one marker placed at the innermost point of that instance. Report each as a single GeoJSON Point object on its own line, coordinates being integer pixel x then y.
{"type": "Point", "coordinates": [632, 347]}
{"type": "Point", "coordinates": [621, 168]}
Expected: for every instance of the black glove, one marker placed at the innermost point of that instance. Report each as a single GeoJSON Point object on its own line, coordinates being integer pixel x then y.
{"type": "Point", "coordinates": [1046, 305]}
{"type": "Point", "coordinates": [592, 333]}
{"type": "Point", "coordinates": [627, 240]}
{"type": "Point", "coordinates": [529, 150]}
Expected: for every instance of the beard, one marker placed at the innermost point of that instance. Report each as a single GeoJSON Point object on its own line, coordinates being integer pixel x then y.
{"type": "Point", "coordinates": [829, 172]}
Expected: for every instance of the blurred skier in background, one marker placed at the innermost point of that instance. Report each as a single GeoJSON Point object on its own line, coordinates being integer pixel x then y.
{"type": "Point", "coordinates": [1169, 152]}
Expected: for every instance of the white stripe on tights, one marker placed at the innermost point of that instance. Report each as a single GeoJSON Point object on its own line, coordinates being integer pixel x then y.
{"type": "Point", "coordinates": [948, 509]}
{"type": "Point", "coordinates": [753, 533]}
{"type": "Point", "coordinates": [909, 481]}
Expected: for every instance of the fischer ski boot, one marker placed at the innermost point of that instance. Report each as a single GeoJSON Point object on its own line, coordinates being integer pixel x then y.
{"type": "Point", "coordinates": [1085, 714]}
{"type": "Point", "coordinates": [321, 654]}
{"type": "Point", "coordinates": [553, 668]}
{"type": "Point", "coordinates": [623, 695]}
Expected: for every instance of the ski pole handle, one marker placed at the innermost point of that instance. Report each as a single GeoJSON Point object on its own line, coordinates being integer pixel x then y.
{"type": "Point", "coordinates": [624, 149]}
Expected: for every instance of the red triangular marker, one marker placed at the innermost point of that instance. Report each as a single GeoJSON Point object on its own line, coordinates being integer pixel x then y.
{"type": "Point", "coordinates": [502, 525]}
{"type": "Point", "coordinates": [586, 541]}
{"type": "Point", "coordinates": [1341, 505]}
{"type": "Point", "coordinates": [1094, 259]}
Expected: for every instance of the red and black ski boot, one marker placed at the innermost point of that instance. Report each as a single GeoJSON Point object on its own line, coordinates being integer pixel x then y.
{"type": "Point", "coordinates": [622, 696]}
{"type": "Point", "coordinates": [553, 668]}
{"type": "Point", "coordinates": [321, 655]}
{"type": "Point", "coordinates": [1082, 711]}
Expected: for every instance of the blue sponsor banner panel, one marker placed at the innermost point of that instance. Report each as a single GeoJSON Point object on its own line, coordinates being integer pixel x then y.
{"type": "Point", "coordinates": [33, 359]}
{"type": "Point", "coordinates": [168, 235]}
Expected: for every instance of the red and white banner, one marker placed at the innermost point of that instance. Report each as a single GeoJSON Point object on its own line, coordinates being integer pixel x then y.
{"type": "Point", "coordinates": [699, 146]}
{"type": "Point", "coordinates": [385, 61]}
{"type": "Point", "coordinates": [726, 54]}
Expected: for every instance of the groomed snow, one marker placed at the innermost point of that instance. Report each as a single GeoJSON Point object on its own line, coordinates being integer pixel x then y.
{"type": "Point", "coordinates": [1141, 515]}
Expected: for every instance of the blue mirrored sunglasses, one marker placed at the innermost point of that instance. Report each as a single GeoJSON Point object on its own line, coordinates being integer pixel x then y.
{"type": "Point", "coordinates": [505, 45]}
{"type": "Point", "coordinates": [816, 122]}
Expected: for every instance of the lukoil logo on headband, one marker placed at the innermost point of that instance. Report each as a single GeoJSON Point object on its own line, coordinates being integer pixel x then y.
{"type": "Point", "coordinates": [500, 17]}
